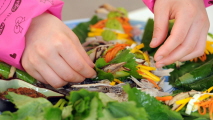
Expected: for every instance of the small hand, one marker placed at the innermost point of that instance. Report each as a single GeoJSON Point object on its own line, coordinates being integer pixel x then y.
{"type": "Point", "coordinates": [188, 36]}
{"type": "Point", "coordinates": [53, 53]}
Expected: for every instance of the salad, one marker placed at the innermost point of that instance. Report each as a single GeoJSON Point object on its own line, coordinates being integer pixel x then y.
{"type": "Point", "coordinates": [126, 78]}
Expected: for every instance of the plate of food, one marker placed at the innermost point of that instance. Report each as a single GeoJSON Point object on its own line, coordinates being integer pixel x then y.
{"type": "Point", "coordinates": [126, 78]}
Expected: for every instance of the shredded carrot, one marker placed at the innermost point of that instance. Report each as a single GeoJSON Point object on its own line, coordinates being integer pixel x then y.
{"type": "Point", "coordinates": [165, 98]}
{"type": "Point", "coordinates": [203, 57]}
{"type": "Point", "coordinates": [200, 111]}
{"type": "Point", "coordinates": [113, 51]}
{"type": "Point", "coordinates": [150, 80]}
{"type": "Point", "coordinates": [154, 83]}
{"type": "Point", "coordinates": [204, 105]}
{"type": "Point", "coordinates": [100, 24]}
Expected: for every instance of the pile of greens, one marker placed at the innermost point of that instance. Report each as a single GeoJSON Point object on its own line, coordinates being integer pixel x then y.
{"type": "Point", "coordinates": [86, 105]}
{"type": "Point", "coordinates": [123, 56]}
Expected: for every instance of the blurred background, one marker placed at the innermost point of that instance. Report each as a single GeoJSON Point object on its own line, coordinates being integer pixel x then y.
{"type": "Point", "coordinates": [78, 9]}
{"type": "Point", "coordinates": [81, 9]}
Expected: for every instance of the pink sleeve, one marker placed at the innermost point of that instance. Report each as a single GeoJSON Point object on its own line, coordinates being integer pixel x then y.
{"type": "Point", "coordinates": [15, 18]}
{"type": "Point", "coordinates": [150, 3]}
{"type": "Point", "coordinates": [208, 2]}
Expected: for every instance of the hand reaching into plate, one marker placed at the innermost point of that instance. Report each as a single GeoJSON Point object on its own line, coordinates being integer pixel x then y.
{"type": "Point", "coordinates": [188, 36]}
{"type": "Point", "coordinates": [53, 53]}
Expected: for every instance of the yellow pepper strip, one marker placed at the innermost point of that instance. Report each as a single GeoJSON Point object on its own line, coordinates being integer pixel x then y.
{"type": "Point", "coordinates": [209, 46]}
{"type": "Point", "coordinates": [179, 108]}
{"type": "Point", "coordinates": [207, 52]}
{"type": "Point", "coordinates": [145, 67]}
{"type": "Point", "coordinates": [128, 41]}
{"type": "Point", "coordinates": [140, 46]}
{"type": "Point", "coordinates": [154, 77]}
{"type": "Point", "coordinates": [92, 34]}
{"type": "Point", "coordinates": [96, 30]}
{"type": "Point", "coordinates": [146, 57]}
{"type": "Point", "coordinates": [120, 35]}
{"type": "Point", "coordinates": [113, 83]}
{"type": "Point", "coordinates": [137, 48]}
{"type": "Point", "coordinates": [204, 97]}
{"type": "Point", "coordinates": [209, 90]}
{"type": "Point", "coordinates": [183, 101]}
{"type": "Point", "coordinates": [117, 81]}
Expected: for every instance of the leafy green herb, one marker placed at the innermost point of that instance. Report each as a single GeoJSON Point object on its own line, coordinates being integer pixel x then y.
{"type": "Point", "coordinates": [82, 29]}
{"type": "Point", "coordinates": [126, 56]}
{"type": "Point", "coordinates": [155, 109]}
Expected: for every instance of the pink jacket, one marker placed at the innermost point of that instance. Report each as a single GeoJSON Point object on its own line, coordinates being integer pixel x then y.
{"type": "Point", "coordinates": [150, 3]}
{"type": "Point", "coordinates": [15, 18]}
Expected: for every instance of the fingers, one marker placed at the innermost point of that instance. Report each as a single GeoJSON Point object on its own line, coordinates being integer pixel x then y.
{"type": "Point", "coordinates": [63, 70]}
{"type": "Point", "coordinates": [50, 76]}
{"type": "Point", "coordinates": [45, 74]}
{"type": "Point", "coordinates": [186, 47]}
{"type": "Point", "coordinates": [81, 49]}
{"type": "Point", "coordinates": [74, 59]}
{"type": "Point", "coordinates": [200, 46]}
{"type": "Point", "coordinates": [160, 24]}
{"type": "Point", "coordinates": [177, 36]}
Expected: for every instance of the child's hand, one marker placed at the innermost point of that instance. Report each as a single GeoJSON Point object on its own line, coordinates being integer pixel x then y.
{"type": "Point", "coordinates": [53, 53]}
{"type": "Point", "coordinates": [188, 36]}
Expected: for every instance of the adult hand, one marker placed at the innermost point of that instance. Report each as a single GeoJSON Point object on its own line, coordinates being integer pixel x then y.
{"type": "Point", "coordinates": [53, 53]}
{"type": "Point", "coordinates": [188, 36]}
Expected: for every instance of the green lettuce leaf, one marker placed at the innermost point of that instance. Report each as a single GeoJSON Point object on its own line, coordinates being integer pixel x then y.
{"type": "Point", "coordinates": [126, 56]}
{"type": "Point", "coordinates": [31, 108]}
{"type": "Point", "coordinates": [119, 110]}
{"type": "Point", "coordinates": [155, 109]}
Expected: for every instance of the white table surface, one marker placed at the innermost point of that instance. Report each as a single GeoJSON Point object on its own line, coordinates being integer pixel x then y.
{"type": "Point", "coordinates": [144, 14]}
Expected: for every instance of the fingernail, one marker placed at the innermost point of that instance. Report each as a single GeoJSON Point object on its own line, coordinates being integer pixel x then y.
{"type": "Point", "coordinates": [160, 65]}
{"type": "Point", "coordinates": [94, 76]}
{"type": "Point", "coordinates": [153, 42]}
{"type": "Point", "coordinates": [158, 58]}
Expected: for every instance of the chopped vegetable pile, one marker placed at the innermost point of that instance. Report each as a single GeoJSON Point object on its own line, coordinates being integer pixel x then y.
{"type": "Point", "coordinates": [118, 59]}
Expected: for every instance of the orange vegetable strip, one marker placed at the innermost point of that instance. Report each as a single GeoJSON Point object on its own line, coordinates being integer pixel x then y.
{"type": "Point", "coordinates": [113, 51]}
{"type": "Point", "coordinates": [204, 110]}
{"type": "Point", "coordinates": [154, 83]}
{"type": "Point", "coordinates": [151, 81]}
{"type": "Point", "coordinates": [165, 98]}
{"type": "Point", "coordinates": [99, 24]}
{"type": "Point", "coordinates": [211, 111]}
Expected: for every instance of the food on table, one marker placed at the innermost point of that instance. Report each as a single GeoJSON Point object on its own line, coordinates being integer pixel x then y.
{"type": "Point", "coordinates": [119, 60]}
{"type": "Point", "coordinates": [195, 104]}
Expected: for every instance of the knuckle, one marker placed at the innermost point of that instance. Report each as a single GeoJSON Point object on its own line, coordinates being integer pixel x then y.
{"type": "Point", "coordinates": [157, 29]}
{"type": "Point", "coordinates": [179, 37]}
{"type": "Point", "coordinates": [42, 51]}
{"type": "Point", "coordinates": [33, 61]}
{"type": "Point", "coordinates": [60, 41]}
{"type": "Point", "coordinates": [187, 49]}
{"type": "Point", "coordinates": [68, 77]}
{"type": "Point", "coordinates": [78, 66]}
